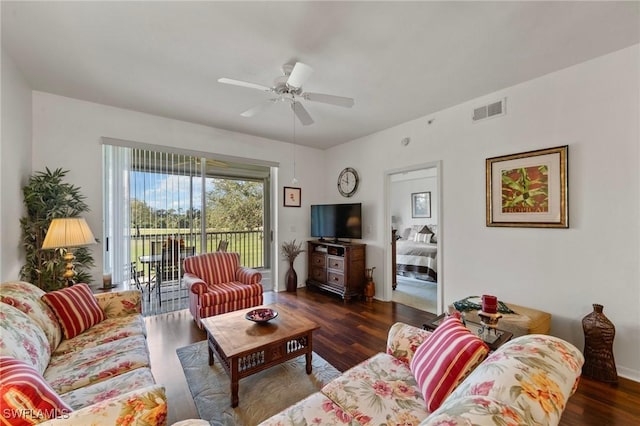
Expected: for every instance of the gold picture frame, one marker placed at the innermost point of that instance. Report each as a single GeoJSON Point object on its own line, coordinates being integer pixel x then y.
{"type": "Point", "coordinates": [529, 189]}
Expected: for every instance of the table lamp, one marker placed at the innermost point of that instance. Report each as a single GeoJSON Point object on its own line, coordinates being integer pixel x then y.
{"type": "Point", "coordinates": [66, 233]}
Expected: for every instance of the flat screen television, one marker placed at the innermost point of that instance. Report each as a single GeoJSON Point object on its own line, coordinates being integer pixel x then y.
{"type": "Point", "coordinates": [336, 221]}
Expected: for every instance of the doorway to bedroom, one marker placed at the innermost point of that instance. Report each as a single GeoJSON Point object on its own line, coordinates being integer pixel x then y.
{"type": "Point", "coordinates": [414, 206]}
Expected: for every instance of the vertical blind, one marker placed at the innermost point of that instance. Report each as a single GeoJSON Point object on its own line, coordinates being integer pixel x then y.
{"type": "Point", "coordinates": [152, 198]}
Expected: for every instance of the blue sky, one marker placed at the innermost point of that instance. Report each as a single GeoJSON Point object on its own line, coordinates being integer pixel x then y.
{"type": "Point", "coordinates": [162, 191]}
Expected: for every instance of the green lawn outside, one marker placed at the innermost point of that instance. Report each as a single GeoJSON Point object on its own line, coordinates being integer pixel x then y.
{"type": "Point", "coordinates": [248, 243]}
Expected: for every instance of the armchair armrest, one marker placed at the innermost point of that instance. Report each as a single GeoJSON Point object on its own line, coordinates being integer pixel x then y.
{"type": "Point", "coordinates": [120, 303]}
{"type": "Point", "coordinates": [143, 406]}
{"type": "Point", "coordinates": [248, 275]}
{"type": "Point", "coordinates": [404, 339]}
{"type": "Point", "coordinates": [194, 284]}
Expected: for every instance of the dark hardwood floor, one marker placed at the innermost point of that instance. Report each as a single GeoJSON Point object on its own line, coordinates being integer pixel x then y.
{"type": "Point", "coordinates": [349, 334]}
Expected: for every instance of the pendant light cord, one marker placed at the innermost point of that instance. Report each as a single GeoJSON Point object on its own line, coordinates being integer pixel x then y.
{"type": "Point", "coordinates": [293, 110]}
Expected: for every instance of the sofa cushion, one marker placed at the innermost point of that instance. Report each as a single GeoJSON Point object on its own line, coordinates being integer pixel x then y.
{"type": "Point", "coordinates": [315, 409]}
{"type": "Point", "coordinates": [107, 331]}
{"type": "Point", "coordinates": [27, 298]}
{"type": "Point", "coordinates": [76, 309]}
{"type": "Point", "coordinates": [22, 338]}
{"type": "Point", "coordinates": [403, 340]}
{"type": "Point", "coordinates": [113, 387]}
{"type": "Point", "coordinates": [26, 397]}
{"type": "Point", "coordinates": [538, 372]}
{"type": "Point", "coordinates": [380, 390]}
{"type": "Point", "coordinates": [120, 303]}
{"type": "Point", "coordinates": [74, 370]}
{"type": "Point", "coordinates": [445, 359]}
{"type": "Point", "coordinates": [476, 410]}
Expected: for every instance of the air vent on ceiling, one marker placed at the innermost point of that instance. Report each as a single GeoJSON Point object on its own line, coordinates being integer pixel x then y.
{"type": "Point", "coordinates": [491, 110]}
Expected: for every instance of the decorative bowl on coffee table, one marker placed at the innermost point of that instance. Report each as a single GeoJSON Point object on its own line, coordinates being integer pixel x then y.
{"type": "Point", "coordinates": [261, 315]}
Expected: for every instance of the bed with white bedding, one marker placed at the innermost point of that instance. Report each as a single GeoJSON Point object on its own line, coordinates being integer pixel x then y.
{"type": "Point", "coordinates": [417, 253]}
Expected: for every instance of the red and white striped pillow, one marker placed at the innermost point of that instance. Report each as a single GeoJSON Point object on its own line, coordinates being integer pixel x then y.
{"type": "Point", "coordinates": [26, 398]}
{"type": "Point", "coordinates": [445, 359]}
{"type": "Point", "coordinates": [76, 309]}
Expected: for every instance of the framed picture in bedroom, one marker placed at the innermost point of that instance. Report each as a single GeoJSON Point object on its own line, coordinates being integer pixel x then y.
{"type": "Point", "coordinates": [421, 204]}
{"type": "Point", "coordinates": [529, 189]}
{"type": "Point", "coordinates": [292, 197]}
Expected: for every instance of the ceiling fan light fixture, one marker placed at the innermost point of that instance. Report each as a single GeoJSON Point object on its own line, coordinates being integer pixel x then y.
{"type": "Point", "coordinates": [287, 87]}
{"type": "Point", "coordinates": [299, 74]}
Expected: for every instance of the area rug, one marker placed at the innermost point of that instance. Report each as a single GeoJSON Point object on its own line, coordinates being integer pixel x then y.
{"type": "Point", "coordinates": [261, 395]}
{"type": "Point", "coordinates": [417, 294]}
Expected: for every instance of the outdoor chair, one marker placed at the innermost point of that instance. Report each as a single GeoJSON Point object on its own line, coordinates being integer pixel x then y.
{"type": "Point", "coordinates": [138, 278]}
{"type": "Point", "coordinates": [217, 284]}
{"type": "Point", "coordinates": [170, 264]}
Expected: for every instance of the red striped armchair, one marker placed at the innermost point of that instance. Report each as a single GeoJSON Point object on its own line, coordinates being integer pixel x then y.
{"type": "Point", "coordinates": [218, 284]}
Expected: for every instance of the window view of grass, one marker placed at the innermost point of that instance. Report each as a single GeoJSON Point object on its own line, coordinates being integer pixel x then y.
{"type": "Point", "coordinates": [167, 207]}
{"type": "Point", "coordinates": [248, 243]}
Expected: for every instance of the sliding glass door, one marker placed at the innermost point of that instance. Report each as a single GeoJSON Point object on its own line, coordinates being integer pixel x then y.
{"type": "Point", "coordinates": [170, 204]}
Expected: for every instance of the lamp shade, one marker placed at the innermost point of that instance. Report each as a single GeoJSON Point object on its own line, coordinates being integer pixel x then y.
{"type": "Point", "coordinates": [68, 232]}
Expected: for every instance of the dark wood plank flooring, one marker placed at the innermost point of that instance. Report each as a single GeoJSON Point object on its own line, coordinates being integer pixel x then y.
{"type": "Point", "coordinates": [351, 333]}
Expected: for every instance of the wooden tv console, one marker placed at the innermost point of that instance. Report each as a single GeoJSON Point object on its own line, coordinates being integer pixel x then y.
{"type": "Point", "coordinates": [337, 267]}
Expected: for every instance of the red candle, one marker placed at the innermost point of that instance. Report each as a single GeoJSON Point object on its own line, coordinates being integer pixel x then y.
{"type": "Point", "coordinates": [489, 304]}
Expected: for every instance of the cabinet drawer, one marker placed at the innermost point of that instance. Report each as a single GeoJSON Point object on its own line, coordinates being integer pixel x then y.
{"type": "Point", "coordinates": [318, 274]}
{"type": "Point", "coordinates": [336, 263]}
{"type": "Point", "coordinates": [318, 259]}
{"type": "Point", "coordinates": [336, 279]}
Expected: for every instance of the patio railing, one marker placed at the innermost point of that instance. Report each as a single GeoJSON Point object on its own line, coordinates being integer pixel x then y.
{"type": "Point", "coordinates": [250, 244]}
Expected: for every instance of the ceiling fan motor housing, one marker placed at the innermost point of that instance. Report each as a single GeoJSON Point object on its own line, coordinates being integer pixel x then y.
{"type": "Point", "coordinates": [281, 87]}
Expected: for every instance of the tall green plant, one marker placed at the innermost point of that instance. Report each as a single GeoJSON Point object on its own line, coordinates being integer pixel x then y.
{"type": "Point", "coordinates": [47, 197]}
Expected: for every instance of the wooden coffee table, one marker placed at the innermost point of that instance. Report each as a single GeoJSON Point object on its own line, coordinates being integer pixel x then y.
{"type": "Point", "coordinates": [245, 347]}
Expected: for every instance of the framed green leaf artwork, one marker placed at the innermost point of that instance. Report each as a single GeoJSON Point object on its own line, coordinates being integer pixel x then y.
{"type": "Point", "coordinates": [528, 189]}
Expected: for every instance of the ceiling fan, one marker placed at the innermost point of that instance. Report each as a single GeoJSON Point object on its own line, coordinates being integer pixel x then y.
{"type": "Point", "coordinates": [288, 88]}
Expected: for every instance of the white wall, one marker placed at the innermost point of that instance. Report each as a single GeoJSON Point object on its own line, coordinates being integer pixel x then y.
{"type": "Point", "coordinates": [594, 108]}
{"type": "Point", "coordinates": [15, 165]}
{"type": "Point", "coordinates": [67, 132]}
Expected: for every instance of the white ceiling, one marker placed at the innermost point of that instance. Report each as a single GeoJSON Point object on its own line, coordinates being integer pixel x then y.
{"type": "Point", "coordinates": [398, 60]}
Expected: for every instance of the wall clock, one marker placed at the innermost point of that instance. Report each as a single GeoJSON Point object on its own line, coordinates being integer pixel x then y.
{"type": "Point", "coordinates": [348, 182]}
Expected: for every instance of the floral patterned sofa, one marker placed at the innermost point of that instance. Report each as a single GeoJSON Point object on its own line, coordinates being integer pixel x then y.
{"type": "Point", "coordinates": [526, 381]}
{"type": "Point", "coordinates": [100, 376]}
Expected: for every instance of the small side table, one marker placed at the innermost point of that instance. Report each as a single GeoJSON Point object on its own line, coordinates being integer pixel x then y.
{"type": "Point", "coordinates": [103, 289]}
{"type": "Point", "coordinates": [498, 337]}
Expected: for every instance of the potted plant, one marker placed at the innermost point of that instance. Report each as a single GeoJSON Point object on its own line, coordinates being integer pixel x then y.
{"type": "Point", "coordinates": [46, 197]}
{"type": "Point", "coordinates": [290, 250]}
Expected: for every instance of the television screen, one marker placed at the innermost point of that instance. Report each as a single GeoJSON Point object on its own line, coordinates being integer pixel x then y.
{"type": "Point", "coordinates": [336, 220]}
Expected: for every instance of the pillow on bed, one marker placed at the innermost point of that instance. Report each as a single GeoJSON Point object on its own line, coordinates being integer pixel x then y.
{"type": "Point", "coordinates": [405, 234]}
{"type": "Point", "coordinates": [422, 238]}
{"type": "Point", "coordinates": [434, 230]}
{"type": "Point", "coordinates": [416, 229]}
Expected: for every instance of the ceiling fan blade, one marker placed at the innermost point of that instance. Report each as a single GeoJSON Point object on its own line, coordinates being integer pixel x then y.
{"type": "Point", "coordinates": [329, 99]}
{"type": "Point", "coordinates": [244, 84]}
{"type": "Point", "coordinates": [259, 108]}
{"type": "Point", "coordinates": [299, 74]}
{"type": "Point", "coordinates": [301, 113]}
